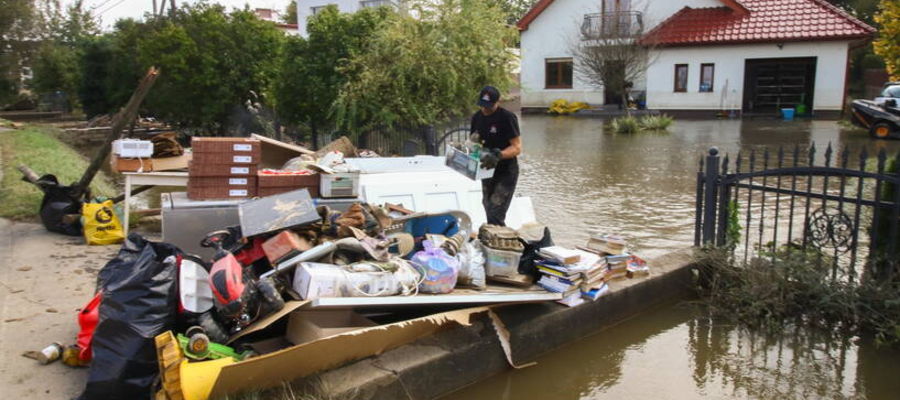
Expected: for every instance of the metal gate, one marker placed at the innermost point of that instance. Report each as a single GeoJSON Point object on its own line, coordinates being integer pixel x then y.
{"type": "Point", "coordinates": [844, 208]}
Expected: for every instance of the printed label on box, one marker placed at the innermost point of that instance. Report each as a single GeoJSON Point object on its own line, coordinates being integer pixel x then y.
{"type": "Point", "coordinates": [243, 147]}
{"type": "Point", "coordinates": [240, 170]}
{"type": "Point", "coordinates": [243, 159]}
{"type": "Point", "coordinates": [237, 181]}
{"type": "Point", "coordinates": [237, 192]}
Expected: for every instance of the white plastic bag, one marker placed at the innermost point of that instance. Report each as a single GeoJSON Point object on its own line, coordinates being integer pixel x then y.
{"type": "Point", "coordinates": [471, 266]}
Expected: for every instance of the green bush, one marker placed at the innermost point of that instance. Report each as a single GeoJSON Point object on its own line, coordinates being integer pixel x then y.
{"type": "Point", "coordinates": [656, 122]}
{"type": "Point", "coordinates": [627, 124]}
{"type": "Point", "coordinates": [793, 286]}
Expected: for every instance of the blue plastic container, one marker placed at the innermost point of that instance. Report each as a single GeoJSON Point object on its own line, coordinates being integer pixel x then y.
{"type": "Point", "coordinates": [788, 114]}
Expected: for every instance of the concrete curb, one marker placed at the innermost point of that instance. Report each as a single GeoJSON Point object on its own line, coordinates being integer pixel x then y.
{"type": "Point", "coordinates": [460, 356]}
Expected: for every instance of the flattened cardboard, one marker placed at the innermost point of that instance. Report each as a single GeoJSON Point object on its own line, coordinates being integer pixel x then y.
{"type": "Point", "coordinates": [149, 164]}
{"type": "Point", "coordinates": [276, 153]}
{"type": "Point", "coordinates": [289, 307]}
{"type": "Point", "coordinates": [308, 326]}
{"type": "Point", "coordinates": [172, 163]}
{"type": "Point", "coordinates": [298, 361]}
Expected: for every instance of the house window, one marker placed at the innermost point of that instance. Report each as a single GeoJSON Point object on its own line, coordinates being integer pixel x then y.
{"type": "Point", "coordinates": [374, 3]}
{"type": "Point", "coordinates": [558, 73]}
{"type": "Point", "coordinates": [318, 9]}
{"type": "Point", "coordinates": [681, 77]}
{"type": "Point", "coordinates": [707, 72]}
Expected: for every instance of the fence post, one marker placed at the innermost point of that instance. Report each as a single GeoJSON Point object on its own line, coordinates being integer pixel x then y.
{"type": "Point", "coordinates": [710, 192]}
{"type": "Point", "coordinates": [430, 140]}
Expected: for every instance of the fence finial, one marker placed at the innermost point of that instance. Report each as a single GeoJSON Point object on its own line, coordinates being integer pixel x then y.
{"type": "Point", "coordinates": [713, 151]}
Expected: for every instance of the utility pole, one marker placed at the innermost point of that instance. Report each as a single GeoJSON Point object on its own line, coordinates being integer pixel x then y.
{"type": "Point", "coordinates": [154, 7]}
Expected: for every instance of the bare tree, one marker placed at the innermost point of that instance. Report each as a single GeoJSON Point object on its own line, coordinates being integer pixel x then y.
{"type": "Point", "coordinates": [610, 54]}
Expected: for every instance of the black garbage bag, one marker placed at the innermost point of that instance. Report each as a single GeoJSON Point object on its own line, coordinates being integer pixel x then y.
{"type": "Point", "coordinates": [140, 301]}
{"type": "Point", "coordinates": [58, 203]}
{"type": "Point", "coordinates": [530, 253]}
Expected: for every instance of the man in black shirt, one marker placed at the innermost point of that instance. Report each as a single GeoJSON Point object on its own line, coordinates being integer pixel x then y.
{"type": "Point", "coordinates": [498, 129]}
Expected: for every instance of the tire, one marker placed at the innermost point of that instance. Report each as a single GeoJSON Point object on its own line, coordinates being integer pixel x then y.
{"type": "Point", "coordinates": [881, 130]}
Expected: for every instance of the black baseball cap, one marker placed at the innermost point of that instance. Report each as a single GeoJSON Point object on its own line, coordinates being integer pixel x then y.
{"type": "Point", "coordinates": [488, 96]}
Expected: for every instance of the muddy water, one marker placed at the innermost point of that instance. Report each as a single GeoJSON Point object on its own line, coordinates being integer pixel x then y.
{"type": "Point", "coordinates": [583, 179]}
{"type": "Point", "coordinates": [674, 353]}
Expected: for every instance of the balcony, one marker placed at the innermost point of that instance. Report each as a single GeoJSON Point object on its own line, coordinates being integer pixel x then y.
{"type": "Point", "coordinates": [612, 25]}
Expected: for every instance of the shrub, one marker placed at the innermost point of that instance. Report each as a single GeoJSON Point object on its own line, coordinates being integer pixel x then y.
{"type": "Point", "coordinates": [793, 286]}
{"type": "Point", "coordinates": [656, 122]}
{"type": "Point", "coordinates": [627, 124]}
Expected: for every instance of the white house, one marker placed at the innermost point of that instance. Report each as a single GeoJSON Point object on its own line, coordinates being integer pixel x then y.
{"type": "Point", "coordinates": [751, 55]}
{"type": "Point", "coordinates": [307, 8]}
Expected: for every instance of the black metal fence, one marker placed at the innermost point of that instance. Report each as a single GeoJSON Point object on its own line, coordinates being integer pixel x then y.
{"type": "Point", "coordinates": [402, 140]}
{"type": "Point", "coordinates": [844, 207]}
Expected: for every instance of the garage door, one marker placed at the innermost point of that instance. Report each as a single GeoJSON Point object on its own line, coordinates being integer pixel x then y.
{"type": "Point", "coordinates": [774, 83]}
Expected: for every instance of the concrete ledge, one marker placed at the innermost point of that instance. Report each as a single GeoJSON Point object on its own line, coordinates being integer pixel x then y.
{"type": "Point", "coordinates": [460, 356]}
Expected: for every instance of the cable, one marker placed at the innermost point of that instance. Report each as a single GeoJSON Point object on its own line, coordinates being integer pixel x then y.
{"type": "Point", "coordinates": [110, 8]}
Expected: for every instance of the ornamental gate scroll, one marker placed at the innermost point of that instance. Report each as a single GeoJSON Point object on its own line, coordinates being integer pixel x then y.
{"type": "Point", "coordinates": [842, 208]}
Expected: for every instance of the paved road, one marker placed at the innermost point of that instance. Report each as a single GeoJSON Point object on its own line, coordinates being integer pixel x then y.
{"type": "Point", "coordinates": [45, 278]}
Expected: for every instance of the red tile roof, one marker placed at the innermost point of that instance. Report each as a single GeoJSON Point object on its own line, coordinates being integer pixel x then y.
{"type": "Point", "coordinates": [766, 21]}
{"type": "Point", "coordinates": [542, 5]}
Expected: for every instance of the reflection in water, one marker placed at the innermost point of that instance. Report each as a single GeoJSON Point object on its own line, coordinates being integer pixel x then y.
{"type": "Point", "coordinates": [677, 353]}
{"type": "Point", "coordinates": [583, 179]}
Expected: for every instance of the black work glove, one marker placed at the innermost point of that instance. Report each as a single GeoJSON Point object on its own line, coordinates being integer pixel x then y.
{"type": "Point", "coordinates": [490, 158]}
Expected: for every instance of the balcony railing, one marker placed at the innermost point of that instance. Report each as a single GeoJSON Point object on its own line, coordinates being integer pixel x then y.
{"type": "Point", "coordinates": [612, 25]}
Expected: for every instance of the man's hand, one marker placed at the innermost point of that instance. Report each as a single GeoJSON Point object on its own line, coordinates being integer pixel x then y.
{"type": "Point", "coordinates": [490, 158]}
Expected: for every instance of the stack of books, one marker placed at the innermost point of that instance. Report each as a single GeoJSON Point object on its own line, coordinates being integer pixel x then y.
{"type": "Point", "coordinates": [577, 274]}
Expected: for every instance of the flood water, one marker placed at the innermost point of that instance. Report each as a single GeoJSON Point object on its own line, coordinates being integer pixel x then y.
{"type": "Point", "coordinates": [584, 180]}
{"type": "Point", "coordinates": [674, 353]}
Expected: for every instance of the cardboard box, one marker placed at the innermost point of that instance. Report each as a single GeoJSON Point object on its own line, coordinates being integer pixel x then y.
{"type": "Point", "coordinates": [230, 181]}
{"type": "Point", "coordinates": [201, 158]}
{"type": "Point", "coordinates": [225, 145]}
{"type": "Point", "coordinates": [283, 245]}
{"type": "Point", "coordinates": [149, 164]}
{"type": "Point", "coordinates": [288, 180]}
{"type": "Point", "coordinates": [220, 192]}
{"type": "Point", "coordinates": [197, 169]}
{"type": "Point", "coordinates": [466, 165]}
{"type": "Point", "coordinates": [308, 326]}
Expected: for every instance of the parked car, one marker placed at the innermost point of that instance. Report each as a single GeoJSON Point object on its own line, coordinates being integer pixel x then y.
{"type": "Point", "coordinates": [880, 116]}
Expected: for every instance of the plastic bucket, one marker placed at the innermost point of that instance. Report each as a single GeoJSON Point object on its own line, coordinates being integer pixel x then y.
{"type": "Point", "coordinates": [787, 113]}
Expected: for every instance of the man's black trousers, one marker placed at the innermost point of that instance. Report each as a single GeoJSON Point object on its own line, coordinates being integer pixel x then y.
{"type": "Point", "coordinates": [497, 192]}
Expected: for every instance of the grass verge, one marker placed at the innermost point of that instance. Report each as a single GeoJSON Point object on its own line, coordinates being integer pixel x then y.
{"type": "Point", "coordinates": [39, 148]}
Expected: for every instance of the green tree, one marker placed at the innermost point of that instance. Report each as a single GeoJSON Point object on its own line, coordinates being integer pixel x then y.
{"type": "Point", "coordinates": [290, 13]}
{"type": "Point", "coordinates": [516, 9]}
{"type": "Point", "coordinates": [214, 63]}
{"type": "Point", "coordinates": [310, 72]}
{"type": "Point", "coordinates": [428, 69]}
{"type": "Point", "coordinates": [66, 25]}
{"type": "Point", "coordinates": [888, 43]}
{"type": "Point", "coordinates": [55, 68]}
{"type": "Point", "coordinates": [16, 21]}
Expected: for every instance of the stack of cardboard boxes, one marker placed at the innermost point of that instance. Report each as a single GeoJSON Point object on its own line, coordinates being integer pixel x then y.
{"type": "Point", "coordinates": [223, 168]}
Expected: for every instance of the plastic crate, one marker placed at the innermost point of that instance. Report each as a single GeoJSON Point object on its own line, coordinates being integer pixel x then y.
{"type": "Point", "coordinates": [501, 262]}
